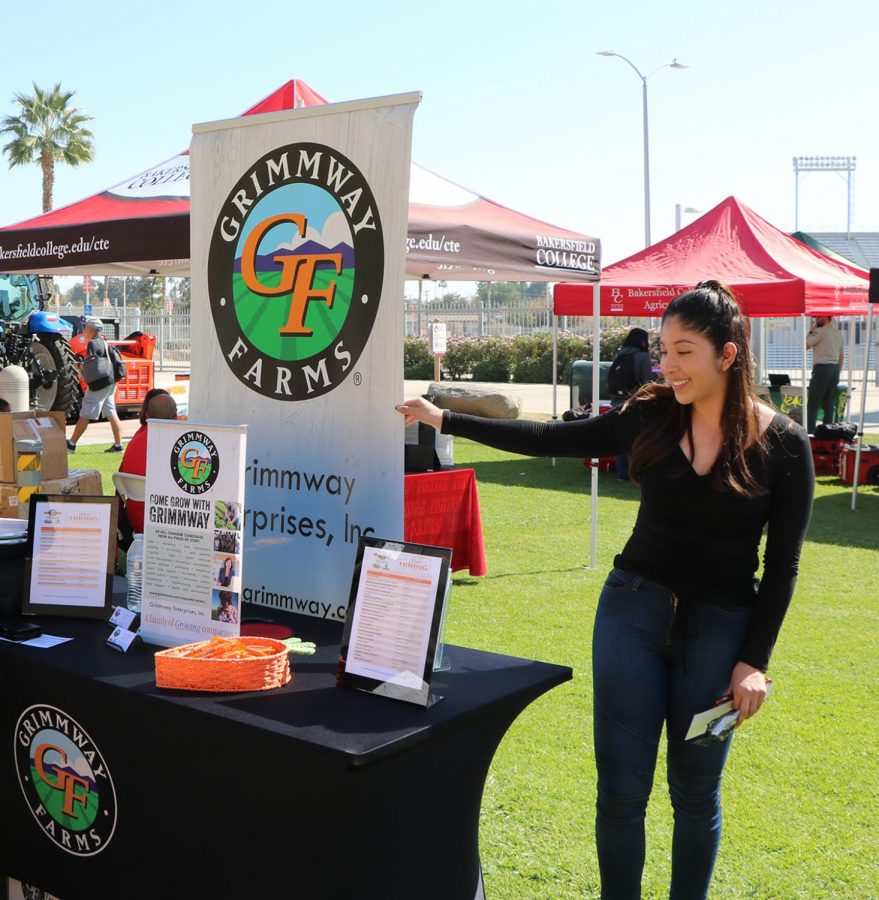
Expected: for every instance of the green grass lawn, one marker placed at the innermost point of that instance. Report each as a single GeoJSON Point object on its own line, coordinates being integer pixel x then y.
{"type": "Point", "coordinates": [801, 785]}
{"type": "Point", "coordinates": [800, 796]}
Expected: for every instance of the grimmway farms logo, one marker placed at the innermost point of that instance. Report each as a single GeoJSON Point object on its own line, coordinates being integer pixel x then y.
{"type": "Point", "coordinates": [295, 272]}
{"type": "Point", "coordinates": [195, 462]}
{"type": "Point", "coordinates": [65, 780]}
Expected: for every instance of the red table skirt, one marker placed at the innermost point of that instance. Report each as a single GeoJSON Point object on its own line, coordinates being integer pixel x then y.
{"type": "Point", "coordinates": [442, 509]}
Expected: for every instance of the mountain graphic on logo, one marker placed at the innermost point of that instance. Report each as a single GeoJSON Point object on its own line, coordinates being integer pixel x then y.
{"type": "Point", "coordinates": [52, 770]}
{"type": "Point", "coordinates": [267, 262]}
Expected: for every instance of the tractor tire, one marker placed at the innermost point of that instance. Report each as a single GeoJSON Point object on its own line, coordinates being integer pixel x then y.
{"type": "Point", "coordinates": [53, 354]}
{"type": "Point", "coordinates": [873, 475]}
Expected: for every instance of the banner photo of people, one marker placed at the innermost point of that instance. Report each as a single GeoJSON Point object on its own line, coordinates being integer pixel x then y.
{"type": "Point", "coordinates": [193, 547]}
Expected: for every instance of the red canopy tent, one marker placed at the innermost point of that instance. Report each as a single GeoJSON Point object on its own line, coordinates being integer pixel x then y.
{"type": "Point", "coordinates": [771, 273]}
{"type": "Point", "coordinates": [141, 226]}
{"type": "Point", "coordinates": [136, 227]}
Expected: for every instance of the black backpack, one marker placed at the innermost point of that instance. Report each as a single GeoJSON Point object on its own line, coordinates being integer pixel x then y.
{"type": "Point", "coordinates": [839, 431]}
{"type": "Point", "coordinates": [621, 378]}
{"type": "Point", "coordinates": [118, 364]}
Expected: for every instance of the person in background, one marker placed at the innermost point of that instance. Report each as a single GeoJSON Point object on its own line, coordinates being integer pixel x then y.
{"type": "Point", "coordinates": [143, 415]}
{"type": "Point", "coordinates": [158, 404]}
{"type": "Point", "coordinates": [631, 368]}
{"type": "Point", "coordinates": [4, 406]}
{"type": "Point", "coordinates": [827, 358]}
{"type": "Point", "coordinates": [682, 620]}
{"type": "Point", "coordinates": [101, 401]}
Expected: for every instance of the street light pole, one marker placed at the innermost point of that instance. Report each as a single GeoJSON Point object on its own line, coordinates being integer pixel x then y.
{"type": "Point", "coordinates": [674, 64]}
{"type": "Point", "coordinates": [646, 167]}
{"type": "Point", "coordinates": [679, 210]}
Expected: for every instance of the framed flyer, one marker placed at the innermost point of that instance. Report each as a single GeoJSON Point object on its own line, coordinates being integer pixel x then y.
{"type": "Point", "coordinates": [71, 551]}
{"type": "Point", "coordinates": [393, 621]}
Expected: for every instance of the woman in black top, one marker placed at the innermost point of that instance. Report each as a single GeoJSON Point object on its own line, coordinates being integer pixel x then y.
{"type": "Point", "coordinates": [682, 620]}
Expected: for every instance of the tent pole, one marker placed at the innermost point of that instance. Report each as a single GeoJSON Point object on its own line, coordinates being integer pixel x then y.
{"type": "Point", "coordinates": [593, 463]}
{"type": "Point", "coordinates": [764, 351]}
{"type": "Point", "coordinates": [555, 364]}
{"type": "Point", "coordinates": [850, 367]}
{"type": "Point", "coordinates": [862, 420]}
{"type": "Point", "coordinates": [555, 368]}
{"type": "Point", "coordinates": [804, 418]}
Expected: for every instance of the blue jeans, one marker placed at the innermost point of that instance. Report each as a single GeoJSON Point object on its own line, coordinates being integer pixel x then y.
{"type": "Point", "coordinates": [657, 663]}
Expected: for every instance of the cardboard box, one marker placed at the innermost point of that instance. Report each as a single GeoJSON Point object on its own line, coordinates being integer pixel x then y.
{"type": "Point", "coordinates": [48, 427]}
{"type": "Point", "coordinates": [8, 501]}
{"type": "Point", "coordinates": [87, 482]}
{"type": "Point", "coordinates": [80, 481]}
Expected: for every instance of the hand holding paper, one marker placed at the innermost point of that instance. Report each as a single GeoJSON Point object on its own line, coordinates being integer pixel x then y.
{"type": "Point", "coordinates": [717, 723]}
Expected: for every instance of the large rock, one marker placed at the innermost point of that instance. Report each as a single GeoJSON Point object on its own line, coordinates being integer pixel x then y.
{"type": "Point", "coordinates": [476, 400]}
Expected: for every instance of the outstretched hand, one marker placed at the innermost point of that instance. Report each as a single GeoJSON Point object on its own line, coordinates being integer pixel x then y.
{"type": "Point", "coordinates": [748, 688]}
{"type": "Point", "coordinates": [421, 410]}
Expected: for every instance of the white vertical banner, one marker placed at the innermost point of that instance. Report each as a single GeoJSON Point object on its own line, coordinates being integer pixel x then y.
{"type": "Point", "coordinates": [298, 231]}
{"type": "Point", "coordinates": [193, 532]}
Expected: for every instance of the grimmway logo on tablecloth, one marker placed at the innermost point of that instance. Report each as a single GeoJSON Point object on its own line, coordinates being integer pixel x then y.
{"type": "Point", "coordinates": [295, 272]}
{"type": "Point", "coordinates": [65, 780]}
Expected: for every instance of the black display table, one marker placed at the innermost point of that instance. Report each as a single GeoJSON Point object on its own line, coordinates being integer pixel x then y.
{"type": "Point", "coordinates": [308, 790]}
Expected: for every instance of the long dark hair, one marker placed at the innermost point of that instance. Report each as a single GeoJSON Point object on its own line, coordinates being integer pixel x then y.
{"type": "Point", "coordinates": [709, 309]}
{"type": "Point", "coordinates": [637, 338]}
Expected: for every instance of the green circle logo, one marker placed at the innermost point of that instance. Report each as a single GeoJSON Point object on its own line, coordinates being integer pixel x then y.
{"type": "Point", "coordinates": [295, 271]}
{"type": "Point", "coordinates": [65, 780]}
{"type": "Point", "coordinates": [195, 463]}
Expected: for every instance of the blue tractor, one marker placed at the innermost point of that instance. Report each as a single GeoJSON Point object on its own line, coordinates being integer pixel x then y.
{"type": "Point", "coordinates": [37, 340]}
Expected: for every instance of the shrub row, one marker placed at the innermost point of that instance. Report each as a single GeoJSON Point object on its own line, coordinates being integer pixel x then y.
{"type": "Point", "coordinates": [526, 359]}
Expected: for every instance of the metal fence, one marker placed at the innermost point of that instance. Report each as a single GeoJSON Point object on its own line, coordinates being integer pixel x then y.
{"type": "Point", "coordinates": [782, 338]}
{"type": "Point", "coordinates": [476, 320]}
{"type": "Point", "coordinates": [172, 331]}
{"type": "Point", "coordinates": [784, 345]}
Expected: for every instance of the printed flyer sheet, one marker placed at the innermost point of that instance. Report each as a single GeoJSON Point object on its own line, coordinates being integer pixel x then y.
{"type": "Point", "coordinates": [70, 554]}
{"type": "Point", "coordinates": [192, 532]}
{"type": "Point", "coordinates": [393, 616]}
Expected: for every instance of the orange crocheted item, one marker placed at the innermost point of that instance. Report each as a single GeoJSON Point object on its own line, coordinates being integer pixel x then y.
{"type": "Point", "coordinates": [224, 664]}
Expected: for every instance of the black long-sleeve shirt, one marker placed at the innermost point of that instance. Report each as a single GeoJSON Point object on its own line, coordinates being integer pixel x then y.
{"type": "Point", "coordinates": [699, 541]}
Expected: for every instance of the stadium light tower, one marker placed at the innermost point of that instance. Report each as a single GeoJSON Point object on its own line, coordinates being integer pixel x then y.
{"type": "Point", "coordinates": [825, 164]}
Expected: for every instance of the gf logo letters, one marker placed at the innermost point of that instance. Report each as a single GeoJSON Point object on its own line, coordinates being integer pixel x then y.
{"type": "Point", "coordinates": [297, 274]}
{"type": "Point", "coordinates": [67, 781]}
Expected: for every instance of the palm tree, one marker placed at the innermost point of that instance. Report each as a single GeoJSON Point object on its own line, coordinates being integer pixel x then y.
{"type": "Point", "coordinates": [49, 131]}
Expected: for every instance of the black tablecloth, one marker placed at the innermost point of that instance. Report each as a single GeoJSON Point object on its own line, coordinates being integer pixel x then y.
{"type": "Point", "coordinates": [308, 789]}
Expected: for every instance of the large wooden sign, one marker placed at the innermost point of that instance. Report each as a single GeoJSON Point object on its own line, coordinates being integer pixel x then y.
{"type": "Point", "coordinates": [298, 242]}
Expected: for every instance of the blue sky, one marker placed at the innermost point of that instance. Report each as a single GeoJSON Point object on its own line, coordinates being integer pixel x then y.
{"type": "Point", "coordinates": [318, 203]}
{"type": "Point", "coordinates": [516, 105]}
